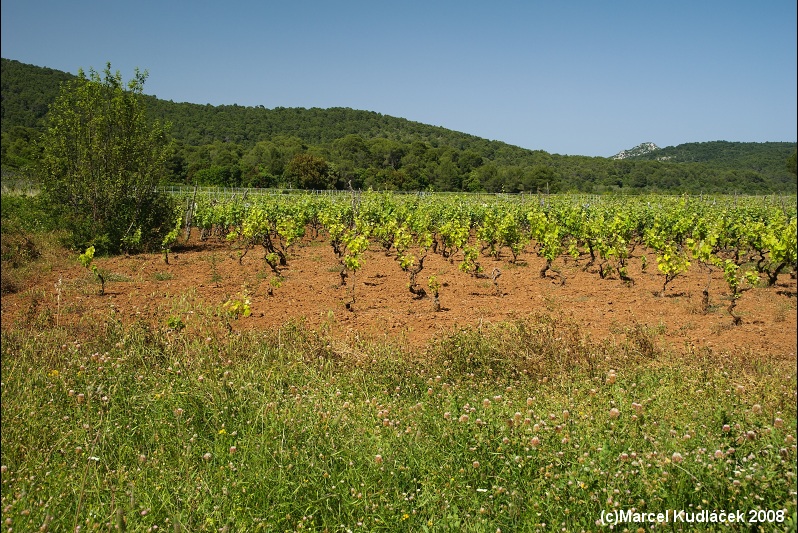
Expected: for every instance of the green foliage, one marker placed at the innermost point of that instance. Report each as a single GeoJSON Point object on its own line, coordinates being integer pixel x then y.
{"type": "Point", "coordinates": [102, 162]}
{"type": "Point", "coordinates": [310, 172]}
{"type": "Point", "coordinates": [87, 260]}
{"type": "Point", "coordinates": [233, 145]}
{"type": "Point", "coordinates": [671, 262]}
{"type": "Point", "coordinates": [33, 89]}
{"type": "Point", "coordinates": [238, 306]}
{"type": "Point", "coordinates": [434, 285]}
{"type": "Point", "coordinates": [171, 237]}
{"type": "Point", "coordinates": [516, 427]}
{"type": "Point", "coordinates": [175, 323]}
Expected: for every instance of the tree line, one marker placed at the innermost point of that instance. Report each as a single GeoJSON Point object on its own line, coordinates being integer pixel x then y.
{"type": "Point", "coordinates": [232, 145]}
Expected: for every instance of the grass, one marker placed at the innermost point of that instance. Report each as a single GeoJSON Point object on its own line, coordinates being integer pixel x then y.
{"type": "Point", "coordinates": [527, 426]}
{"type": "Point", "coordinates": [163, 276]}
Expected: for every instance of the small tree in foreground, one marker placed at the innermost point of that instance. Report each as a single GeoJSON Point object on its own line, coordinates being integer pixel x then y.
{"type": "Point", "coordinates": [101, 163]}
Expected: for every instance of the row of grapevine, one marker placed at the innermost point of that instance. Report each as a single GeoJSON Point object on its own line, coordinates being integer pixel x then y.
{"type": "Point", "coordinates": [751, 241]}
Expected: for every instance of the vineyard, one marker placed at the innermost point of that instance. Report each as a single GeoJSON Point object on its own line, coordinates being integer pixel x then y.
{"type": "Point", "coordinates": [436, 262]}
{"type": "Point", "coordinates": [401, 362]}
{"type": "Point", "coordinates": [749, 241]}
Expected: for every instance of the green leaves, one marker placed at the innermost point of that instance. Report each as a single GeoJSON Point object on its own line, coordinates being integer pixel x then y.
{"type": "Point", "coordinates": [87, 260]}
{"type": "Point", "coordinates": [238, 306]}
{"type": "Point", "coordinates": [102, 161]}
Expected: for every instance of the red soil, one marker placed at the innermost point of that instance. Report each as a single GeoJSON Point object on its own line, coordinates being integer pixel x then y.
{"type": "Point", "coordinates": [143, 287]}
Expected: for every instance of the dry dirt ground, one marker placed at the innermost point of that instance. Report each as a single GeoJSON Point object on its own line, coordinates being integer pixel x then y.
{"type": "Point", "coordinates": [203, 275]}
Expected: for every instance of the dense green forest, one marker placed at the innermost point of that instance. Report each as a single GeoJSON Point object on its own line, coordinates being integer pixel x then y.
{"type": "Point", "coordinates": [232, 145]}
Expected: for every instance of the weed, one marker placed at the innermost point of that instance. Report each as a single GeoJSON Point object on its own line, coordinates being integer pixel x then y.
{"type": "Point", "coordinates": [175, 323]}
{"type": "Point", "coordinates": [216, 278]}
{"type": "Point", "coordinates": [163, 276]}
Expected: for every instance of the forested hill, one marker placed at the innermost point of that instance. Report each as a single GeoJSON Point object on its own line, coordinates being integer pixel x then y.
{"type": "Point", "coordinates": [323, 148]}
{"type": "Point", "coordinates": [720, 153]}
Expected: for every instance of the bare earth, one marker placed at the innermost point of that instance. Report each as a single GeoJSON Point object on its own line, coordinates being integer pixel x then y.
{"type": "Point", "coordinates": [206, 274]}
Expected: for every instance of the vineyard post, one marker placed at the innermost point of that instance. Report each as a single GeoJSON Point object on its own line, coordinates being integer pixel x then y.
{"type": "Point", "coordinates": [190, 213]}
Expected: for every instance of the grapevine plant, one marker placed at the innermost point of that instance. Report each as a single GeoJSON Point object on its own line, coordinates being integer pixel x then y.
{"type": "Point", "coordinates": [87, 260]}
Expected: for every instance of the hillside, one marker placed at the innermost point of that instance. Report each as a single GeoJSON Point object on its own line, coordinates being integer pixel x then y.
{"type": "Point", "coordinates": [768, 156]}
{"type": "Point", "coordinates": [235, 145]}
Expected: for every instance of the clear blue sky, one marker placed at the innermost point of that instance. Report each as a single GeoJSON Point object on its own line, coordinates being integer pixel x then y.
{"type": "Point", "coordinates": [566, 76]}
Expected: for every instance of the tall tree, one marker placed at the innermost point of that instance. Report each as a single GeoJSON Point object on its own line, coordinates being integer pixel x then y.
{"type": "Point", "coordinates": [311, 172]}
{"type": "Point", "coordinates": [102, 161]}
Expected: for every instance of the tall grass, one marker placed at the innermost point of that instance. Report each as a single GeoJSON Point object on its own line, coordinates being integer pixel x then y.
{"type": "Point", "coordinates": [528, 426]}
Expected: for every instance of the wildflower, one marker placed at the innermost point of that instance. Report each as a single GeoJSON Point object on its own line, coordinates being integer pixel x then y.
{"type": "Point", "coordinates": [535, 441]}
{"type": "Point", "coordinates": [739, 389]}
{"type": "Point", "coordinates": [566, 414]}
{"type": "Point", "coordinates": [789, 439]}
{"type": "Point", "coordinates": [207, 456]}
{"type": "Point", "coordinates": [677, 457]}
{"type": "Point", "coordinates": [726, 428]}
{"type": "Point", "coordinates": [719, 454]}
{"type": "Point", "coordinates": [447, 415]}
{"type": "Point", "coordinates": [485, 403]}
{"type": "Point", "coordinates": [463, 419]}
{"type": "Point", "coordinates": [756, 409]}
{"type": "Point", "coordinates": [81, 397]}
{"type": "Point", "coordinates": [378, 459]}
{"type": "Point", "coordinates": [638, 408]}
{"type": "Point", "coordinates": [611, 377]}
{"type": "Point", "coordinates": [779, 423]}
{"type": "Point", "coordinates": [614, 412]}
{"type": "Point", "coordinates": [475, 464]}
{"type": "Point", "coordinates": [233, 449]}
